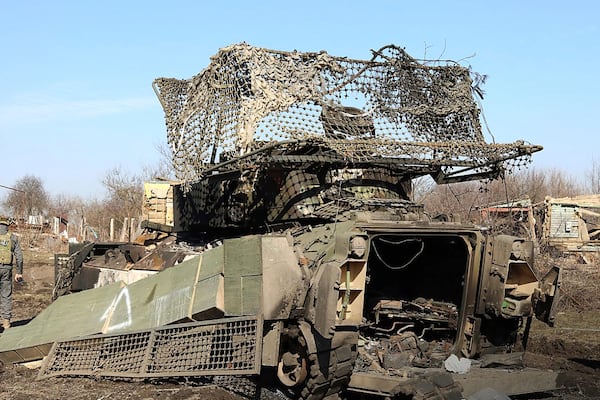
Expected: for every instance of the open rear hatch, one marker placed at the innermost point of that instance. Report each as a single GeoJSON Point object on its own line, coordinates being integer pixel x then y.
{"type": "Point", "coordinates": [414, 293]}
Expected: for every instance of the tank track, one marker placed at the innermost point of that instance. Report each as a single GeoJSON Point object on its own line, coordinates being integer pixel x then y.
{"type": "Point", "coordinates": [434, 386]}
{"type": "Point", "coordinates": [320, 384]}
{"type": "Point", "coordinates": [328, 383]}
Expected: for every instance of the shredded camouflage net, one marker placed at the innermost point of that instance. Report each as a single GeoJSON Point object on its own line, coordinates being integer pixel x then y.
{"type": "Point", "coordinates": [390, 106]}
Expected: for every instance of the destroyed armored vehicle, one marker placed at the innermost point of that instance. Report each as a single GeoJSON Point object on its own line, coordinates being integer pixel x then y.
{"type": "Point", "coordinates": [309, 269]}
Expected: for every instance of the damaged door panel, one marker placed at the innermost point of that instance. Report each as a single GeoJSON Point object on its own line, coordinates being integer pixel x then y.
{"type": "Point", "coordinates": [510, 291]}
{"type": "Point", "coordinates": [546, 296]}
{"type": "Point", "coordinates": [508, 280]}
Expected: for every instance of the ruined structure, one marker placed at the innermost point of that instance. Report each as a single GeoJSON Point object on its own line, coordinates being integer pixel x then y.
{"type": "Point", "coordinates": [572, 224]}
{"type": "Point", "coordinates": [308, 269]}
{"type": "Point", "coordinates": [514, 217]}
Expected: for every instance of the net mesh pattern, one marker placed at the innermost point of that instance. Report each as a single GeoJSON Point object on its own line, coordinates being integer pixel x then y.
{"type": "Point", "coordinates": [389, 106]}
{"type": "Point", "coordinates": [222, 347]}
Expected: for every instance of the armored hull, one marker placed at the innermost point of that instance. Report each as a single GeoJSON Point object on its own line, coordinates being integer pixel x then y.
{"type": "Point", "coordinates": [293, 255]}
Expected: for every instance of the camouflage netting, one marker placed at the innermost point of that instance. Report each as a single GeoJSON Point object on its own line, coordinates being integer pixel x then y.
{"type": "Point", "coordinates": [391, 106]}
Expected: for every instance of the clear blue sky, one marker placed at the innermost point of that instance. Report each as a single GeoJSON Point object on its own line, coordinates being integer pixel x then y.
{"type": "Point", "coordinates": [76, 97]}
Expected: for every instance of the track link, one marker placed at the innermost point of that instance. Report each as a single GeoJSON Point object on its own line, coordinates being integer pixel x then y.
{"type": "Point", "coordinates": [327, 383]}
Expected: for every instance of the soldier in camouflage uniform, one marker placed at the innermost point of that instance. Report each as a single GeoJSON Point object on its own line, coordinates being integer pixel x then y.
{"type": "Point", "coordinates": [10, 252]}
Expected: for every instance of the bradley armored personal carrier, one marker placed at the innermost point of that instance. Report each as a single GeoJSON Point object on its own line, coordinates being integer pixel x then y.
{"type": "Point", "coordinates": [310, 270]}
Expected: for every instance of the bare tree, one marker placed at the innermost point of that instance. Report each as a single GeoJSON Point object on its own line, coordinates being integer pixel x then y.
{"type": "Point", "coordinates": [593, 177]}
{"type": "Point", "coordinates": [531, 183]}
{"type": "Point", "coordinates": [534, 184]}
{"type": "Point", "coordinates": [422, 187]}
{"type": "Point", "coordinates": [125, 193]}
{"type": "Point", "coordinates": [459, 199]}
{"type": "Point", "coordinates": [463, 199]}
{"type": "Point", "coordinates": [28, 198]}
{"type": "Point", "coordinates": [561, 184]}
{"type": "Point", "coordinates": [68, 208]}
{"type": "Point", "coordinates": [124, 198]}
{"type": "Point", "coordinates": [164, 168]}
{"type": "Point", "coordinates": [93, 219]}
{"type": "Point", "coordinates": [63, 205]}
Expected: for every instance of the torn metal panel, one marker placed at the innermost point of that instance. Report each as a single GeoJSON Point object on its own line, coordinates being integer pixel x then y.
{"type": "Point", "coordinates": [218, 347]}
{"type": "Point", "coordinates": [93, 277]}
{"type": "Point", "coordinates": [375, 384]}
{"type": "Point", "coordinates": [178, 293]}
{"type": "Point", "coordinates": [57, 323]}
{"type": "Point", "coordinates": [509, 381]}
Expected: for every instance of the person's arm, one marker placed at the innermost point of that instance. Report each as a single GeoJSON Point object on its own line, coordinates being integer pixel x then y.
{"type": "Point", "coordinates": [18, 254]}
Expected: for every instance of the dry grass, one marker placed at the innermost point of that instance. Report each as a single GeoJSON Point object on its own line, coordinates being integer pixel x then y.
{"type": "Point", "coordinates": [580, 287]}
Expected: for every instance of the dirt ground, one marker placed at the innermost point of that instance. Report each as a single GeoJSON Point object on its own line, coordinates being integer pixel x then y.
{"type": "Point", "coordinates": [572, 346]}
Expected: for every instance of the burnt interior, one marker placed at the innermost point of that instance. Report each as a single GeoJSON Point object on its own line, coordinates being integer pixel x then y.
{"type": "Point", "coordinates": [408, 267]}
{"type": "Point", "coordinates": [414, 290]}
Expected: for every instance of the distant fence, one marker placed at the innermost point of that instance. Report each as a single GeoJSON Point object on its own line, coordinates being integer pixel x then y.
{"type": "Point", "coordinates": [117, 230]}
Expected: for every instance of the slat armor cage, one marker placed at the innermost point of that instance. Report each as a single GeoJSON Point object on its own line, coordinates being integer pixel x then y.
{"type": "Point", "coordinates": [219, 347]}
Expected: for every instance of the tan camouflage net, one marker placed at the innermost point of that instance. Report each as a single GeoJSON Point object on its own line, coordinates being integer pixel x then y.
{"type": "Point", "coordinates": [390, 106]}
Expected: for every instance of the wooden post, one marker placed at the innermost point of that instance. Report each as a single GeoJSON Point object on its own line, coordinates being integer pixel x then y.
{"type": "Point", "coordinates": [124, 229]}
{"type": "Point", "coordinates": [111, 233]}
{"type": "Point", "coordinates": [131, 229]}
